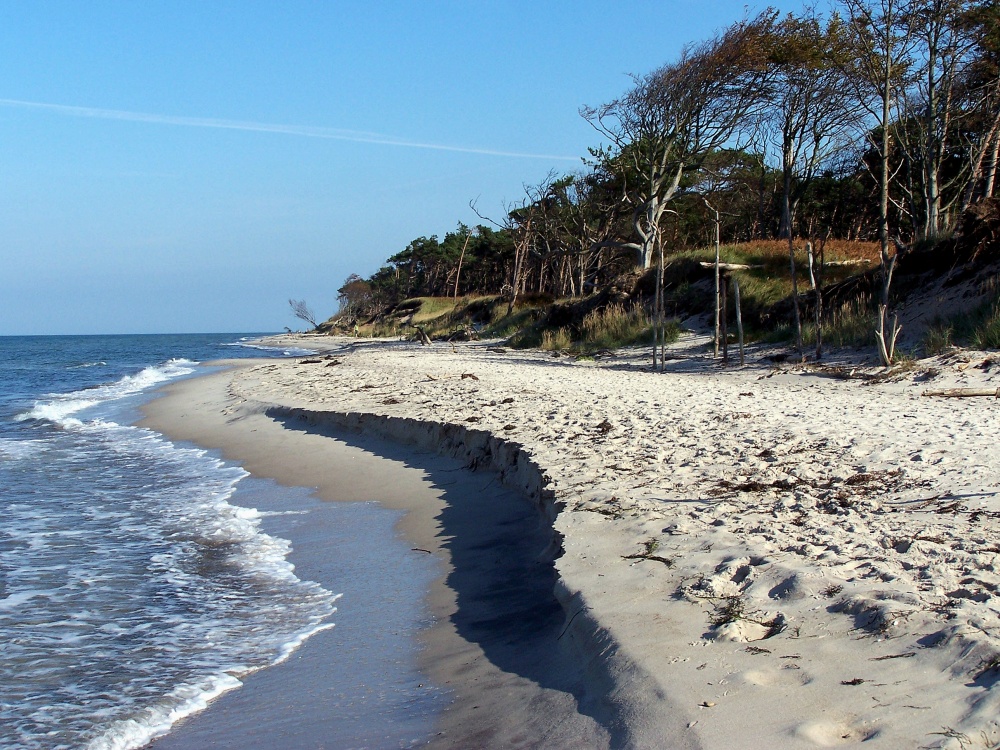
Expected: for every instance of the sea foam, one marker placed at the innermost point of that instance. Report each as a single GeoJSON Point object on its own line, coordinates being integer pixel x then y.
{"type": "Point", "coordinates": [135, 592]}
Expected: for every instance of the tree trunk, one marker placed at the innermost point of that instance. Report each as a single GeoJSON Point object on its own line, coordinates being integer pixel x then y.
{"type": "Point", "coordinates": [932, 195]}
{"type": "Point", "coordinates": [785, 228]}
{"type": "Point", "coordinates": [991, 171]}
{"type": "Point", "coordinates": [816, 279]}
{"type": "Point", "coordinates": [717, 284]}
{"type": "Point", "coordinates": [461, 258]}
{"type": "Point", "coordinates": [724, 317]}
{"type": "Point", "coordinates": [797, 315]}
{"type": "Point", "coordinates": [658, 332]}
{"type": "Point", "coordinates": [739, 316]}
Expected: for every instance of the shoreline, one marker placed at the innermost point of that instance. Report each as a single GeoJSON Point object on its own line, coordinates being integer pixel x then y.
{"type": "Point", "coordinates": [370, 648]}
{"type": "Point", "coordinates": [757, 558]}
{"type": "Point", "coordinates": [494, 619]}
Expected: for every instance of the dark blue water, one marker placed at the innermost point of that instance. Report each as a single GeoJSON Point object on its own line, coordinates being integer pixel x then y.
{"type": "Point", "coordinates": [131, 590]}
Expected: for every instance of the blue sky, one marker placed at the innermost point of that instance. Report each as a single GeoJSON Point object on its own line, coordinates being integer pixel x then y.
{"type": "Point", "coordinates": [190, 166]}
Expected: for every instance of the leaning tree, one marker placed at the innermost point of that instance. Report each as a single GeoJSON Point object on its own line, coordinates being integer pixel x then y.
{"type": "Point", "coordinates": [672, 119]}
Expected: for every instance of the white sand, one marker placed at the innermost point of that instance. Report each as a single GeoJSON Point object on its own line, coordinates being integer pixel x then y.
{"type": "Point", "coordinates": [841, 534]}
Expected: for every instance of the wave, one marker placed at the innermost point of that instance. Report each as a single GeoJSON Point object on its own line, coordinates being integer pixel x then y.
{"type": "Point", "coordinates": [62, 406]}
{"type": "Point", "coordinates": [18, 450]}
{"type": "Point", "coordinates": [220, 595]}
{"type": "Point", "coordinates": [126, 515]}
{"type": "Point", "coordinates": [288, 351]}
{"type": "Point", "coordinates": [155, 721]}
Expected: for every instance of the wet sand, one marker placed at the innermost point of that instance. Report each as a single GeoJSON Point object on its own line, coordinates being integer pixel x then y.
{"type": "Point", "coordinates": [495, 644]}
{"type": "Point", "coordinates": [328, 691]}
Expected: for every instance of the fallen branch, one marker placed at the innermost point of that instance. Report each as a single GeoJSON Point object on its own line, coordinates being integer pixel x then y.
{"type": "Point", "coordinates": [964, 393]}
{"type": "Point", "coordinates": [643, 556]}
{"type": "Point", "coordinates": [728, 266]}
{"type": "Point", "coordinates": [422, 336]}
{"type": "Point", "coordinates": [855, 262]}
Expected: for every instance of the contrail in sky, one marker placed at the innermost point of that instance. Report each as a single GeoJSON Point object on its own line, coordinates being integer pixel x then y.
{"type": "Point", "coordinates": [265, 127]}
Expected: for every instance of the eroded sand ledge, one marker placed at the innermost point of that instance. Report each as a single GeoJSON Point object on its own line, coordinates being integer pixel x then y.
{"type": "Point", "coordinates": [520, 675]}
{"type": "Point", "coordinates": [820, 554]}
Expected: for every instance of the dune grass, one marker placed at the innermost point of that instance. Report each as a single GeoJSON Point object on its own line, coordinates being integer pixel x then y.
{"type": "Point", "coordinates": [763, 284]}
{"type": "Point", "coordinates": [610, 328]}
{"type": "Point", "coordinates": [768, 280]}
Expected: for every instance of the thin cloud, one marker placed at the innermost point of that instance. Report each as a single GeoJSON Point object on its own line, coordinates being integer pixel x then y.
{"type": "Point", "coordinates": [265, 127]}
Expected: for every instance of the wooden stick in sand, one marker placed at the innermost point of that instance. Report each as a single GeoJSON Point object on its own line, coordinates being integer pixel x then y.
{"type": "Point", "coordinates": [963, 393]}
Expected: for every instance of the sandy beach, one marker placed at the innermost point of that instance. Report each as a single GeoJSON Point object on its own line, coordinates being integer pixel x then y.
{"type": "Point", "coordinates": [711, 557]}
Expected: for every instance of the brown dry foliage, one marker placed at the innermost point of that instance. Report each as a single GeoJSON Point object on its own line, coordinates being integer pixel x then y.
{"type": "Point", "coordinates": [835, 249]}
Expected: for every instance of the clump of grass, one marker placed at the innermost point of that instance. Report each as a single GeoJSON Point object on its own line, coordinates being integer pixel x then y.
{"type": "Point", "coordinates": [556, 340]}
{"type": "Point", "coordinates": [938, 338]}
{"type": "Point", "coordinates": [518, 327]}
{"type": "Point", "coordinates": [380, 330]}
{"type": "Point", "coordinates": [730, 609]}
{"type": "Point", "coordinates": [852, 325]}
{"type": "Point", "coordinates": [432, 308]}
{"type": "Point", "coordinates": [987, 333]}
{"type": "Point", "coordinates": [609, 328]}
{"type": "Point", "coordinates": [616, 326]}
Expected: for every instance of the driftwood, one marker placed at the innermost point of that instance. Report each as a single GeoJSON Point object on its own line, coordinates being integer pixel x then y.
{"type": "Point", "coordinates": [728, 266]}
{"type": "Point", "coordinates": [739, 316]}
{"type": "Point", "coordinates": [854, 262]}
{"type": "Point", "coordinates": [964, 393]}
{"type": "Point", "coordinates": [422, 336]}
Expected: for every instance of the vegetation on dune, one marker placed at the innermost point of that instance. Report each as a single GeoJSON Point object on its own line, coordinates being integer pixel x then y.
{"type": "Point", "coordinates": [978, 327]}
{"type": "Point", "coordinates": [862, 136]}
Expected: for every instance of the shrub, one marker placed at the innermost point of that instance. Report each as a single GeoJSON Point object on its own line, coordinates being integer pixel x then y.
{"type": "Point", "coordinates": [614, 326]}
{"type": "Point", "coordinates": [556, 340]}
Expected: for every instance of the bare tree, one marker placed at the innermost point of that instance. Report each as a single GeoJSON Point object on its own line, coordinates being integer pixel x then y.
{"type": "Point", "coordinates": [519, 222]}
{"type": "Point", "coordinates": [981, 89]}
{"type": "Point", "coordinates": [944, 43]}
{"type": "Point", "coordinates": [461, 259]}
{"type": "Point", "coordinates": [809, 114]}
{"type": "Point", "coordinates": [302, 311]}
{"type": "Point", "coordinates": [881, 32]}
{"type": "Point", "coordinates": [674, 117]}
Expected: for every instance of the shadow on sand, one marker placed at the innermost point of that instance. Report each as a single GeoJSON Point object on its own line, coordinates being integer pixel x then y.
{"type": "Point", "coordinates": [500, 553]}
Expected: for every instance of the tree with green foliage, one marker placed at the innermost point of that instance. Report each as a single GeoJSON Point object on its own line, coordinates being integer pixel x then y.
{"type": "Point", "coordinates": [981, 93]}
{"type": "Point", "coordinates": [354, 297]}
{"type": "Point", "coordinates": [808, 114]}
{"type": "Point", "coordinates": [674, 117]}
{"type": "Point", "coordinates": [944, 42]}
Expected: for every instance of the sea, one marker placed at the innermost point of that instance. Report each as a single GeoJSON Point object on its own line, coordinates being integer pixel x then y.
{"type": "Point", "coordinates": [140, 578]}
